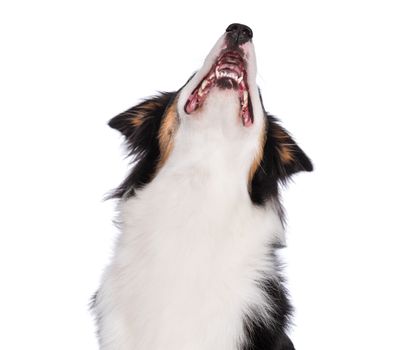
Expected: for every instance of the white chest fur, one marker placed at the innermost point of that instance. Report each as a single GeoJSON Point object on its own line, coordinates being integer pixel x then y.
{"type": "Point", "coordinates": [191, 250]}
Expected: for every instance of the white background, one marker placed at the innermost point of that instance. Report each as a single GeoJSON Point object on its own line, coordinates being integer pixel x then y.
{"type": "Point", "coordinates": [343, 77]}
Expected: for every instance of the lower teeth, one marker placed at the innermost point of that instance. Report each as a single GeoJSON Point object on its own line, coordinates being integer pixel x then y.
{"type": "Point", "coordinates": [245, 98]}
{"type": "Point", "coordinates": [204, 84]}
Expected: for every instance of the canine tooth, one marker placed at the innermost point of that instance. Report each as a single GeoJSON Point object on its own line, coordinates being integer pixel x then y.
{"type": "Point", "coordinates": [240, 79]}
{"type": "Point", "coordinates": [245, 97]}
{"type": "Point", "coordinates": [204, 84]}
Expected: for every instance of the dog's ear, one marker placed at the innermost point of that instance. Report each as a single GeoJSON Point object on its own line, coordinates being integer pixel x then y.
{"type": "Point", "coordinates": [142, 127]}
{"type": "Point", "coordinates": [281, 158]}
{"type": "Point", "coordinates": [288, 157]}
{"type": "Point", "coordinates": [131, 120]}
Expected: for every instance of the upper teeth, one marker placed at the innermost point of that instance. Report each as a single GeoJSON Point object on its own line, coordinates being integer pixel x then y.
{"type": "Point", "coordinates": [228, 74]}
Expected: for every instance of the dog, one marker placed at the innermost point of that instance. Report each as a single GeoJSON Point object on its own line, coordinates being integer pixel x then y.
{"type": "Point", "coordinates": [195, 265]}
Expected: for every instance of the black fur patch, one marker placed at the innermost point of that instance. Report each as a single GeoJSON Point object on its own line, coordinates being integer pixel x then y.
{"type": "Point", "coordinates": [270, 335]}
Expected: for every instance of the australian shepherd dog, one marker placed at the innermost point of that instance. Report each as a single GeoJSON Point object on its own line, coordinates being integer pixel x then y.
{"type": "Point", "coordinates": [195, 266]}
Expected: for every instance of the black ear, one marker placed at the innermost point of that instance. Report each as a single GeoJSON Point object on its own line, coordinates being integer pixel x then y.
{"type": "Point", "coordinates": [281, 158]}
{"type": "Point", "coordinates": [288, 157]}
{"type": "Point", "coordinates": [142, 125]}
{"type": "Point", "coordinates": [132, 119]}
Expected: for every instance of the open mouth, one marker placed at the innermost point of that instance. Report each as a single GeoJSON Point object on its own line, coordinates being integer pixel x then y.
{"type": "Point", "coordinates": [228, 72]}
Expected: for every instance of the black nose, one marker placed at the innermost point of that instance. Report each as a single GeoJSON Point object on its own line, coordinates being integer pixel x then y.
{"type": "Point", "coordinates": [239, 34]}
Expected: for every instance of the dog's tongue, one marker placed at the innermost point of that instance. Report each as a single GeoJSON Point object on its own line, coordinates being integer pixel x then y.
{"type": "Point", "coordinates": [192, 104]}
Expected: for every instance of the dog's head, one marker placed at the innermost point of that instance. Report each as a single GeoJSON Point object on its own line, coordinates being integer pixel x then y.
{"type": "Point", "coordinates": [218, 114]}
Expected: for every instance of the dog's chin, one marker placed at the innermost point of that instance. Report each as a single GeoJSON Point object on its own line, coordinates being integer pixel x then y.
{"type": "Point", "coordinates": [221, 108]}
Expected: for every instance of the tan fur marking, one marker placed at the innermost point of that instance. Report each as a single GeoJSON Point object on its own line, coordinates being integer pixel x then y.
{"type": "Point", "coordinates": [149, 106]}
{"type": "Point", "coordinates": [167, 133]}
{"type": "Point", "coordinates": [285, 147]}
{"type": "Point", "coordinates": [259, 154]}
{"type": "Point", "coordinates": [137, 120]}
{"type": "Point", "coordinates": [286, 154]}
